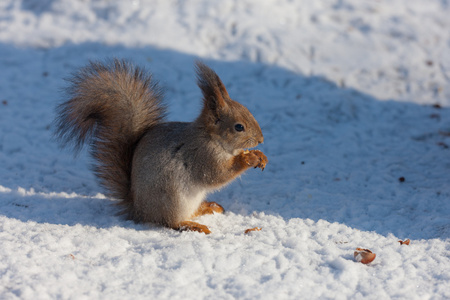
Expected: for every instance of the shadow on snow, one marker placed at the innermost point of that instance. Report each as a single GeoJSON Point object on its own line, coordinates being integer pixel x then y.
{"type": "Point", "coordinates": [334, 153]}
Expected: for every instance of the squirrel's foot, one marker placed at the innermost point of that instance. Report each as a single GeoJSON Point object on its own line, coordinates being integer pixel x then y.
{"type": "Point", "coordinates": [255, 158]}
{"type": "Point", "coordinates": [209, 208]}
{"type": "Point", "coordinates": [192, 226]}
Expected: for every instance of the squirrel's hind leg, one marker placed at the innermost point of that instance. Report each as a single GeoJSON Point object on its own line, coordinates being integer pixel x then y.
{"type": "Point", "coordinates": [204, 209]}
{"type": "Point", "coordinates": [192, 226]}
{"type": "Point", "coordinates": [208, 208]}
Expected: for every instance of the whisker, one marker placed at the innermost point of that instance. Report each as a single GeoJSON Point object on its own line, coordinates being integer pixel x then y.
{"type": "Point", "coordinates": [249, 142]}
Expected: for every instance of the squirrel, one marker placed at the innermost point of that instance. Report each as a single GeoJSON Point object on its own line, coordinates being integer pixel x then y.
{"type": "Point", "coordinates": [160, 171]}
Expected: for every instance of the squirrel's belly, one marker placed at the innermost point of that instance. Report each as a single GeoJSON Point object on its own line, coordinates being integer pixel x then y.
{"type": "Point", "coordinates": [189, 203]}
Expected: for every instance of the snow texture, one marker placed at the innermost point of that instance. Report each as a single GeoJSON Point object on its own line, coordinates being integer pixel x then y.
{"type": "Point", "coordinates": [353, 98]}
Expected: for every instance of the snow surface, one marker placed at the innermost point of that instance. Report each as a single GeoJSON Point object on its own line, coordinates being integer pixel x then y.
{"type": "Point", "coordinates": [351, 96]}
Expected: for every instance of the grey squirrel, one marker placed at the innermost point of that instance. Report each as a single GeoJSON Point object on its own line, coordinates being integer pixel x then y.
{"type": "Point", "coordinates": [160, 171]}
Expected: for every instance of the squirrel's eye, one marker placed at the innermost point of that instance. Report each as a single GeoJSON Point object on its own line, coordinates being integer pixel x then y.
{"type": "Point", "coordinates": [239, 127]}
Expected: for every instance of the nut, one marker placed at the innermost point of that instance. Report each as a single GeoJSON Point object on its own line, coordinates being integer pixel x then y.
{"type": "Point", "coordinates": [253, 229]}
{"type": "Point", "coordinates": [364, 256]}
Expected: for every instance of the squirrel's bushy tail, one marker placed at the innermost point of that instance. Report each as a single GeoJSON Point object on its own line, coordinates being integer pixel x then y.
{"type": "Point", "coordinates": [111, 106]}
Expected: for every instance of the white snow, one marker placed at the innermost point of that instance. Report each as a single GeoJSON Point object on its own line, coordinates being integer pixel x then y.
{"type": "Point", "coordinates": [344, 92]}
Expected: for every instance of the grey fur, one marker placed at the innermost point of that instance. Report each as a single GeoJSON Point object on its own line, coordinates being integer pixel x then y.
{"type": "Point", "coordinates": [161, 171]}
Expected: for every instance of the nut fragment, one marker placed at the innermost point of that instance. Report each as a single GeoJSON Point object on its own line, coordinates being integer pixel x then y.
{"type": "Point", "coordinates": [406, 242]}
{"type": "Point", "coordinates": [364, 256]}
{"type": "Point", "coordinates": [253, 229]}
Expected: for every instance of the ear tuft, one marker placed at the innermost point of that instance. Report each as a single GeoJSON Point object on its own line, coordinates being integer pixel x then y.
{"type": "Point", "coordinates": [214, 92]}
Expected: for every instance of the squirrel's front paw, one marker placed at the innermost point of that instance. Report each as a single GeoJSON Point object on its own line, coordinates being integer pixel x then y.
{"type": "Point", "coordinates": [255, 158]}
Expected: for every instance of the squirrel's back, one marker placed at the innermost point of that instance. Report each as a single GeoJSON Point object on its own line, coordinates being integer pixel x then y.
{"type": "Point", "coordinates": [111, 106]}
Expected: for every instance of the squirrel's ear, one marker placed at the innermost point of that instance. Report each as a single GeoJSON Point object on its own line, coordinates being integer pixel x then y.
{"type": "Point", "coordinates": [214, 92]}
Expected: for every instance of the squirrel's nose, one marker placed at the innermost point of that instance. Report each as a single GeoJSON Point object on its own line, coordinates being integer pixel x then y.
{"type": "Point", "coordinates": [261, 140]}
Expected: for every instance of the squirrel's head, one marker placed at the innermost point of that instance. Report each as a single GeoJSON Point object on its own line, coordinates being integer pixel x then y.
{"type": "Point", "coordinates": [227, 121]}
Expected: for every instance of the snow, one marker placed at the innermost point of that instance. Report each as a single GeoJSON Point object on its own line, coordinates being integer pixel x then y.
{"type": "Point", "coordinates": [351, 96]}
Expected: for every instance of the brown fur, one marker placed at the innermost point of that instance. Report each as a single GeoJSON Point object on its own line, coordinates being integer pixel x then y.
{"type": "Point", "coordinates": [208, 208]}
{"type": "Point", "coordinates": [111, 106]}
{"type": "Point", "coordinates": [192, 226]}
